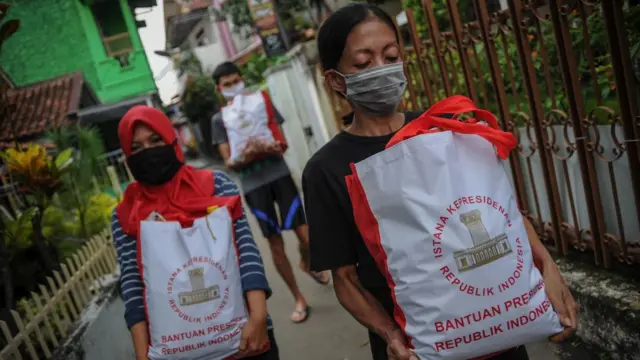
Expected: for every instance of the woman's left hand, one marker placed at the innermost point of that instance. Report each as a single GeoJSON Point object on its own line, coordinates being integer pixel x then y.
{"type": "Point", "coordinates": [254, 337]}
{"type": "Point", "coordinates": [561, 299]}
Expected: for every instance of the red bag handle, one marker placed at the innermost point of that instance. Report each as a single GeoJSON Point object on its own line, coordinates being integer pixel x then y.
{"type": "Point", "coordinates": [271, 123]}
{"type": "Point", "coordinates": [458, 104]}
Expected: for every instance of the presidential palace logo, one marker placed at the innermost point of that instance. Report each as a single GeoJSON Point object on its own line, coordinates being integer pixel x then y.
{"type": "Point", "coordinates": [201, 280]}
{"type": "Point", "coordinates": [485, 249]}
{"type": "Point", "coordinates": [199, 293]}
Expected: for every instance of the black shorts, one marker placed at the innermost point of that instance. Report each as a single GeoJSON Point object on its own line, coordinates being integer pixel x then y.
{"type": "Point", "coordinates": [262, 203]}
{"type": "Point", "coordinates": [379, 350]}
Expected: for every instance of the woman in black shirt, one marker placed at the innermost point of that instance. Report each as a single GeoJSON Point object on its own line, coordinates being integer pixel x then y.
{"type": "Point", "coordinates": [360, 52]}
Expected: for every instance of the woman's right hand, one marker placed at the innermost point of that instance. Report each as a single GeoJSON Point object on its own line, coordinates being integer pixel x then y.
{"type": "Point", "coordinates": [397, 348]}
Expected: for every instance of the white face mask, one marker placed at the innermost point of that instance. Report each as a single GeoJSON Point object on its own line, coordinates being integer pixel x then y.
{"type": "Point", "coordinates": [235, 90]}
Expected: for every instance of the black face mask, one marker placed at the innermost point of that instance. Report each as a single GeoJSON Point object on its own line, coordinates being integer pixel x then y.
{"type": "Point", "coordinates": [154, 166]}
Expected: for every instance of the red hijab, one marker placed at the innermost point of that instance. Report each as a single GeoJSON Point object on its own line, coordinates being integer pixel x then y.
{"type": "Point", "coordinates": [186, 197]}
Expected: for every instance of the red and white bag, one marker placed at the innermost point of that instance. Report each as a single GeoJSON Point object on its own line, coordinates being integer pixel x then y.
{"type": "Point", "coordinates": [437, 212]}
{"type": "Point", "coordinates": [192, 288]}
{"type": "Point", "coordinates": [250, 117]}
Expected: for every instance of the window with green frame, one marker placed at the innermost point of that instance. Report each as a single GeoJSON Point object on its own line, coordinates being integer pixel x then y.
{"type": "Point", "coordinates": [113, 28]}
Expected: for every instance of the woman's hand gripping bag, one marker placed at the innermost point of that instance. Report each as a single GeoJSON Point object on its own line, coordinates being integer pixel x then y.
{"type": "Point", "coordinates": [192, 288]}
{"type": "Point", "coordinates": [251, 117]}
{"type": "Point", "coordinates": [437, 212]}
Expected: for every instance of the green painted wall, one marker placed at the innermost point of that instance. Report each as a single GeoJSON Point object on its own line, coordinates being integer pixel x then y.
{"type": "Point", "coordinates": [50, 42]}
{"type": "Point", "coordinates": [58, 37]}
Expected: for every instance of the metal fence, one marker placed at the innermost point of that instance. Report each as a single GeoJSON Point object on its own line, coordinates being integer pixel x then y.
{"type": "Point", "coordinates": [563, 77]}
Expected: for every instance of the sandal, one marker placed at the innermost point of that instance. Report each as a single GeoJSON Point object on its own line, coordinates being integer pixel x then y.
{"type": "Point", "coordinates": [320, 277]}
{"type": "Point", "coordinates": [302, 315]}
{"type": "Point", "coordinates": [317, 277]}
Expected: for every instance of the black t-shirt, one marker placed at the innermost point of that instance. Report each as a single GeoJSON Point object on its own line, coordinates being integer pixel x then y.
{"type": "Point", "coordinates": [333, 235]}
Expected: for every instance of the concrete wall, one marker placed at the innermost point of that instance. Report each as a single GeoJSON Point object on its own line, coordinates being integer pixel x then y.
{"type": "Point", "coordinates": [211, 54]}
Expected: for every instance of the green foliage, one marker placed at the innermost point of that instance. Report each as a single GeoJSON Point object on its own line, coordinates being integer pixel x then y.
{"type": "Point", "coordinates": [253, 70]}
{"type": "Point", "coordinates": [508, 56]}
{"type": "Point", "coordinates": [441, 13]}
{"type": "Point", "coordinates": [18, 234]}
{"type": "Point", "coordinates": [289, 10]}
{"type": "Point", "coordinates": [189, 64]}
{"type": "Point", "coordinates": [84, 173]}
{"type": "Point", "coordinates": [240, 15]}
{"type": "Point", "coordinates": [29, 306]}
{"type": "Point", "coordinates": [238, 12]}
{"type": "Point", "coordinates": [57, 224]}
{"type": "Point", "coordinates": [99, 212]}
{"type": "Point", "coordinates": [62, 225]}
{"type": "Point", "coordinates": [200, 99]}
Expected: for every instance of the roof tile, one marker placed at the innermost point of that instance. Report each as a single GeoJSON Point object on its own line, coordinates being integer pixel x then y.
{"type": "Point", "coordinates": [41, 106]}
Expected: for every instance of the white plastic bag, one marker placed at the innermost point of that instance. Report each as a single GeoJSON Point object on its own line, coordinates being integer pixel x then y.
{"type": "Point", "coordinates": [193, 292]}
{"type": "Point", "coordinates": [250, 117]}
{"type": "Point", "coordinates": [438, 214]}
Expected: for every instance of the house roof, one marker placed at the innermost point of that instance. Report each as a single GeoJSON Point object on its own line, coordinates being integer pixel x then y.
{"type": "Point", "coordinates": [179, 26]}
{"type": "Point", "coordinates": [142, 3]}
{"type": "Point", "coordinates": [5, 80]}
{"type": "Point", "coordinates": [44, 105]}
{"type": "Point", "coordinates": [109, 112]}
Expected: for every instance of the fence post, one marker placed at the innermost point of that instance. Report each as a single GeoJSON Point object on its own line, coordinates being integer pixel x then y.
{"type": "Point", "coordinates": [625, 88]}
{"type": "Point", "coordinates": [115, 182]}
{"type": "Point", "coordinates": [129, 174]}
{"type": "Point", "coordinates": [535, 104]}
{"type": "Point", "coordinates": [74, 263]}
{"type": "Point", "coordinates": [417, 47]}
{"type": "Point", "coordinates": [35, 333]}
{"type": "Point", "coordinates": [464, 58]}
{"type": "Point", "coordinates": [67, 298]}
{"type": "Point", "coordinates": [501, 97]}
{"type": "Point", "coordinates": [434, 32]}
{"type": "Point", "coordinates": [58, 298]}
{"type": "Point", "coordinates": [26, 340]}
{"type": "Point", "coordinates": [96, 248]}
{"type": "Point", "coordinates": [52, 334]}
{"type": "Point", "coordinates": [36, 329]}
{"type": "Point", "coordinates": [51, 304]}
{"type": "Point", "coordinates": [82, 277]}
{"type": "Point", "coordinates": [72, 286]}
{"type": "Point", "coordinates": [7, 335]}
{"type": "Point", "coordinates": [412, 92]}
{"type": "Point", "coordinates": [87, 259]}
{"type": "Point", "coordinates": [580, 129]}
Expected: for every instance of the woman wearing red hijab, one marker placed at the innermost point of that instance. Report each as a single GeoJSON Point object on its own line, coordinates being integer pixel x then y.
{"type": "Point", "coordinates": [166, 190]}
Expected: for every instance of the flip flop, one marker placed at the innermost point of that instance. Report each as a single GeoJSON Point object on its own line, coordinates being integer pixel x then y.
{"type": "Point", "coordinates": [303, 313]}
{"type": "Point", "coordinates": [319, 278]}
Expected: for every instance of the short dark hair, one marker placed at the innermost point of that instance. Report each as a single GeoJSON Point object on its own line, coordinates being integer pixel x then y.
{"type": "Point", "coordinates": [332, 36]}
{"type": "Point", "coordinates": [225, 69]}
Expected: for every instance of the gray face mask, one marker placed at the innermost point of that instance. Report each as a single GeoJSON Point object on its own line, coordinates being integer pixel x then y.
{"type": "Point", "coordinates": [377, 90]}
